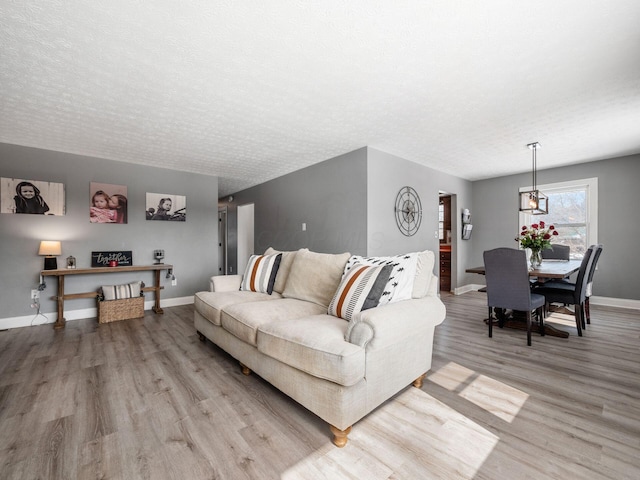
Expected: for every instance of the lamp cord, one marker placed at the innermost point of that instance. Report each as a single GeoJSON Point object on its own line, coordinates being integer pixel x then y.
{"type": "Point", "coordinates": [36, 304]}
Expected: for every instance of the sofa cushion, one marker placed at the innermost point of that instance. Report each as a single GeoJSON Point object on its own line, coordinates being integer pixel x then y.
{"type": "Point", "coordinates": [315, 345]}
{"type": "Point", "coordinates": [285, 266]}
{"type": "Point", "coordinates": [424, 274]}
{"type": "Point", "coordinates": [314, 277]}
{"type": "Point", "coordinates": [360, 289]}
{"type": "Point", "coordinates": [210, 304]}
{"type": "Point", "coordinates": [260, 274]}
{"type": "Point", "coordinates": [400, 284]}
{"type": "Point", "coordinates": [243, 319]}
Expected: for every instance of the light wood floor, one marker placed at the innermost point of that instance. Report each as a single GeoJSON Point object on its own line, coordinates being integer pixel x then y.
{"type": "Point", "coordinates": [146, 399]}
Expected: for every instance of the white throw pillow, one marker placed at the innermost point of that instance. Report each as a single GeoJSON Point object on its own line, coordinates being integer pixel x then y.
{"type": "Point", "coordinates": [400, 284]}
{"type": "Point", "coordinates": [424, 273]}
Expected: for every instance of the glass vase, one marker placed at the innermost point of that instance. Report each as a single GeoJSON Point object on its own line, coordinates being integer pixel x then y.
{"type": "Point", "coordinates": [535, 259]}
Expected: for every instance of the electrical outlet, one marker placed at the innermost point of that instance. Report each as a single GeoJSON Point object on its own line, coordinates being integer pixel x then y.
{"type": "Point", "coordinates": [35, 294]}
{"type": "Point", "coordinates": [174, 281]}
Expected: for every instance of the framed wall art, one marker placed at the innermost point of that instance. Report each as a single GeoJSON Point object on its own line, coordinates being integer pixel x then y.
{"type": "Point", "coordinates": [108, 203]}
{"type": "Point", "coordinates": [33, 197]}
{"type": "Point", "coordinates": [164, 206]}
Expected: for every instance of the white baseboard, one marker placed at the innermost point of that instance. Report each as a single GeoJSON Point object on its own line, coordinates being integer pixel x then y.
{"type": "Point", "coordinates": [70, 315]}
{"type": "Point", "coordinates": [170, 302]}
{"type": "Point", "coordinates": [615, 302]}
{"type": "Point", "coordinates": [471, 287]}
{"type": "Point", "coordinates": [595, 300]}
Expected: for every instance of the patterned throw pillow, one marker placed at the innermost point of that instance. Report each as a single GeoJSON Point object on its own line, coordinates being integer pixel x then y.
{"type": "Point", "coordinates": [360, 289]}
{"type": "Point", "coordinates": [260, 274]}
{"type": "Point", "coordinates": [400, 283]}
{"type": "Point", "coordinates": [117, 292]}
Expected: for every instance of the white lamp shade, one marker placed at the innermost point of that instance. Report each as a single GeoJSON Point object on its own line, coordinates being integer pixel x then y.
{"type": "Point", "coordinates": [50, 248]}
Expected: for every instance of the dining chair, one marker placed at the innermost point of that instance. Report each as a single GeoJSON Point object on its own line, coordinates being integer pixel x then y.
{"type": "Point", "coordinates": [553, 252]}
{"type": "Point", "coordinates": [597, 250]}
{"type": "Point", "coordinates": [570, 293]}
{"type": "Point", "coordinates": [507, 277]}
{"type": "Point", "coordinates": [592, 270]}
{"type": "Point", "coordinates": [556, 252]}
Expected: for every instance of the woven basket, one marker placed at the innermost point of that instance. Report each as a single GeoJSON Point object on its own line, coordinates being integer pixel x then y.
{"type": "Point", "coordinates": [125, 309]}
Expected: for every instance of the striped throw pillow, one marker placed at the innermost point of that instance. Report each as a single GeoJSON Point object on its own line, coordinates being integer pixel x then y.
{"type": "Point", "coordinates": [360, 289]}
{"type": "Point", "coordinates": [117, 292]}
{"type": "Point", "coordinates": [400, 284]}
{"type": "Point", "coordinates": [260, 274]}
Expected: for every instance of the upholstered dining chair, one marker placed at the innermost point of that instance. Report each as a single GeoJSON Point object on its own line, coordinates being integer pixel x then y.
{"type": "Point", "coordinates": [507, 277]}
{"type": "Point", "coordinates": [592, 270]}
{"type": "Point", "coordinates": [556, 252]}
{"type": "Point", "coordinates": [597, 250]}
{"type": "Point", "coordinates": [570, 293]}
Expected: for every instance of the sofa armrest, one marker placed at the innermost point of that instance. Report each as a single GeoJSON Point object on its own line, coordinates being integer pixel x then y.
{"type": "Point", "coordinates": [394, 322]}
{"type": "Point", "coordinates": [225, 283]}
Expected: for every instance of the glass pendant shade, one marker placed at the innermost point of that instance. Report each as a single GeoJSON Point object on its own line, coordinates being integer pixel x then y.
{"type": "Point", "coordinates": [534, 201]}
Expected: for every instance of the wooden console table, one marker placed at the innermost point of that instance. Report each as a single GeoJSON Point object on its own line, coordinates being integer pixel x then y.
{"type": "Point", "coordinates": [63, 272]}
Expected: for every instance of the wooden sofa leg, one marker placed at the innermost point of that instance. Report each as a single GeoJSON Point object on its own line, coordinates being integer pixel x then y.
{"type": "Point", "coordinates": [340, 436]}
{"type": "Point", "coordinates": [201, 337]}
{"type": "Point", "coordinates": [245, 370]}
{"type": "Point", "coordinates": [418, 381]}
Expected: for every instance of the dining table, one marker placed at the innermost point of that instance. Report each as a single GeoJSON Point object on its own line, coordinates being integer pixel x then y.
{"type": "Point", "coordinates": [548, 270]}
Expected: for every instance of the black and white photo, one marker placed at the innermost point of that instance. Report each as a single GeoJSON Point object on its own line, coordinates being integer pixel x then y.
{"type": "Point", "coordinates": [31, 197]}
{"type": "Point", "coordinates": [163, 206]}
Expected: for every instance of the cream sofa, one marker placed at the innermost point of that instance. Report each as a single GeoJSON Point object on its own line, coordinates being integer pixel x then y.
{"type": "Point", "coordinates": [340, 370]}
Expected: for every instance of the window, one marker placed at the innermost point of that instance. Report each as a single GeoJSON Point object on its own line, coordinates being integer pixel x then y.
{"type": "Point", "coordinates": [441, 220]}
{"type": "Point", "coordinates": [573, 210]}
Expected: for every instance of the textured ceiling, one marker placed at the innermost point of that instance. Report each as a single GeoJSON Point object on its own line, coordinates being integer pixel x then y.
{"type": "Point", "coordinates": [251, 90]}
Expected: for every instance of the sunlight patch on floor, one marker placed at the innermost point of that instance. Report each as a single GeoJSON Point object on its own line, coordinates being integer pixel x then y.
{"type": "Point", "coordinates": [561, 319]}
{"type": "Point", "coordinates": [411, 436]}
{"type": "Point", "coordinates": [496, 397]}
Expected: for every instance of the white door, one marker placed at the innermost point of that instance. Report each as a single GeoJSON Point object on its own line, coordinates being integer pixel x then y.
{"type": "Point", "coordinates": [245, 236]}
{"type": "Point", "coordinates": [222, 240]}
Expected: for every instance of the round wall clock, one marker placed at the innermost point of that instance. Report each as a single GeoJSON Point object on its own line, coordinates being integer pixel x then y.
{"type": "Point", "coordinates": [408, 211]}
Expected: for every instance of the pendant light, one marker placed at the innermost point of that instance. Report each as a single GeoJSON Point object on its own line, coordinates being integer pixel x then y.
{"type": "Point", "coordinates": [534, 201]}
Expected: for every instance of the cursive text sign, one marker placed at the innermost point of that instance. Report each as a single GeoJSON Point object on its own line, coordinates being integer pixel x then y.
{"type": "Point", "coordinates": [102, 259]}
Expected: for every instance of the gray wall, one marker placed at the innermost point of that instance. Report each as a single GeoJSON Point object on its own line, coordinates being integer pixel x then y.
{"type": "Point", "coordinates": [387, 174]}
{"type": "Point", "coordinates": [348, 205]}
{"type": "Point", "coordinates": [190, 246]}
{"type": "Point", "coordinates": [330, 197]}
{"type": "Point", "coordinates": [496, 219]}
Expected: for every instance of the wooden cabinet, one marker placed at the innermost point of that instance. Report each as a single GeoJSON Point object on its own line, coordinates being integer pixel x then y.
{"type": "Point", "coordinates": [444, 218]}
{"type": "Point", "coordinates": [445, 270]}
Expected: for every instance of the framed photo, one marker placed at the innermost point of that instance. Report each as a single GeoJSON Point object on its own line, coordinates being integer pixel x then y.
{"type": "Point", "coordinates": [31, 197]}
{"type": "Point", "coordinates": [108, 203]}
{"type": "Point", "coordinates": [165, 206]}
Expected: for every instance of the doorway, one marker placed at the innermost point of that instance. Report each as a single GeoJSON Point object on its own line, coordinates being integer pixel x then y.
{"type": "Point", "coordinates": [444, 235]}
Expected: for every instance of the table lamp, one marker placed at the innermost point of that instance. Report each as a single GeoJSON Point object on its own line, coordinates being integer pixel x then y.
{"type": "Point", "coordinates": [50, 249]}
